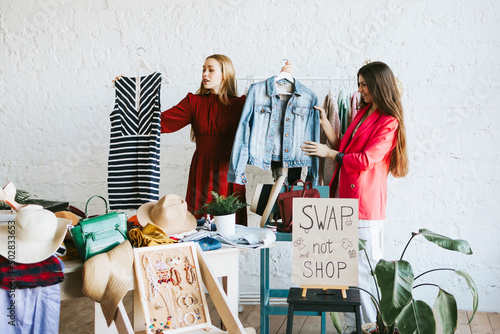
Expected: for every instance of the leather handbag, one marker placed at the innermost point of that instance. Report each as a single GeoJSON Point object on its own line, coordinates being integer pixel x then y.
{"type": "Point", "coordinates": [100, 234]}
{"type": "Point", "coordinates": [285, 203]}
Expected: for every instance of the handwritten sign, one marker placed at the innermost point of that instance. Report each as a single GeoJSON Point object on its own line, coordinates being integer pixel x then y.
{"type": "Point", "coordinates": [325, 241]}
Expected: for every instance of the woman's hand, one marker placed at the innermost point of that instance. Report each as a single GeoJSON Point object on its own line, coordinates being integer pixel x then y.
{"type": "Point", "coordinates": [322, 114]}
{"type": "Point", "coordinates": [321, 150]}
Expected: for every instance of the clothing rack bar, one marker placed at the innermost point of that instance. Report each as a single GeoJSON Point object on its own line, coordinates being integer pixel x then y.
{"type": "Point", "coordinates": [299, 78]}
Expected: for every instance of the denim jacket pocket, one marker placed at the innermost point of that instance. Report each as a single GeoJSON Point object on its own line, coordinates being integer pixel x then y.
{"type": "Point", "coordinates": [301, 111]}
{"type": "Point", "coordinates": [262, 109]}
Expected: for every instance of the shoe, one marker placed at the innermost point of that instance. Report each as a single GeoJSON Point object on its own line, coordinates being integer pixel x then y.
{"type": "Point", "coordinates": [8, 195]}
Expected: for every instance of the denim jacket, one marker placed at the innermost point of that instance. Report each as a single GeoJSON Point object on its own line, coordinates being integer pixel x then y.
{"type": "Point", "coordinates": [254, 139]}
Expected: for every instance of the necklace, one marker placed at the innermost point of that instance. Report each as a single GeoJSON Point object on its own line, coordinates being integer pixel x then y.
{"type": "Point", "coordinates": [175, 277]}
{"type": "Point", "coordinates": [190, 272]}
{"type": "Point", "coordinates": [170, 306]}
{"type": "Point", "coordinates": [151, 276]}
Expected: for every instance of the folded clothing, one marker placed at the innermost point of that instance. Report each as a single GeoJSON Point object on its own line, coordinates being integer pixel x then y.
{"type": "Point", "coordinates": [150, 235]}
{"type": "Point", "coordinates": [21, 276]}
{"type": "Point", "coordinates": [208, 244]}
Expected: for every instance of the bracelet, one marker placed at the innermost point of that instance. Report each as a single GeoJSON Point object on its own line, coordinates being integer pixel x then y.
{"type": "Point", "coordinates": [339, 158]}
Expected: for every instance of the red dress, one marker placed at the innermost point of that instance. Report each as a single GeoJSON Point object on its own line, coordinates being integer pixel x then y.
{"type": "Point", "coordinates": [214, 126]}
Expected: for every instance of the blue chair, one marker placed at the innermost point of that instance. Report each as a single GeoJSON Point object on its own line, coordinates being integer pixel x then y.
{"type": "Point", "coordinates": [266, 293]}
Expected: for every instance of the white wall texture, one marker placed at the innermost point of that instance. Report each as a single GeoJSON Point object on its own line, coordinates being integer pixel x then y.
{"type": "Point", "coordinates": [57, 60]}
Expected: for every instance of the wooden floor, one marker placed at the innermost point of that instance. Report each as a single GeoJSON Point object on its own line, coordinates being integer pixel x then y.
{"type": "Point", "coordinates": [77, 318]}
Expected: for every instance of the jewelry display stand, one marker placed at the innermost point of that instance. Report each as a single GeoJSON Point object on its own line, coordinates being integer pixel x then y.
{"type": "Point", "coordinates": [169, 279]}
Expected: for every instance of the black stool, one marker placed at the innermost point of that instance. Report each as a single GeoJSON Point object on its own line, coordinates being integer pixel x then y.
{"type": "Point", "coordinates": [320, 300]}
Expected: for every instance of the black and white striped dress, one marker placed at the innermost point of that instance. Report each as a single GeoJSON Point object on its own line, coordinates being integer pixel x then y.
{"type": "Point", "coordinates": [134, 153]}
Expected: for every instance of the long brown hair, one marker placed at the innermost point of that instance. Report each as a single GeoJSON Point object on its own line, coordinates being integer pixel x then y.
{"type": "Point", "coordinates": [228, 86]}
{"type": "Point", "coordinates": [382, 86]}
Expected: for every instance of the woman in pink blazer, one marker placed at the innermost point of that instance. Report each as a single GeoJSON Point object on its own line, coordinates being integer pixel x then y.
{"type": "Point", "coordinates": [373, 146]}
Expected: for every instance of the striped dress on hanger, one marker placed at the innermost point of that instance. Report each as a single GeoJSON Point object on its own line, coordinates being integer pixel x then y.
{"type": "Point", "coordinates": [134, 152]}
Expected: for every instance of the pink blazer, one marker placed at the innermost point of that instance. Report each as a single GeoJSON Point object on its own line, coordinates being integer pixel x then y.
{"type": "Point", "coordinates": [363, 174]}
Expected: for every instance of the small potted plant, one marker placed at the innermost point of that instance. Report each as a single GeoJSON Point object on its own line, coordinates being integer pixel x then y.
{"type": "Point", "coordinates": [397, 310]}
{"type": "Point", "coordinates": [223, 209]}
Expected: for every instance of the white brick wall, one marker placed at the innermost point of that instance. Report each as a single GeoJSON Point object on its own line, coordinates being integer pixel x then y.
{"type": "Point", "coordinates": [57, 59]}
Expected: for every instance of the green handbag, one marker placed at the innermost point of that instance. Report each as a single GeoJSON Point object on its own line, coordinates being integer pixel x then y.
{"type": "Point", "coordinates": [100, 234]}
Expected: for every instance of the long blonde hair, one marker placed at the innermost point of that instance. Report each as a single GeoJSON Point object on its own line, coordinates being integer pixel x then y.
{"type": "Point", "coordinates": [383, 89]}
{"type": "Point", "coordinates": [228, 86]}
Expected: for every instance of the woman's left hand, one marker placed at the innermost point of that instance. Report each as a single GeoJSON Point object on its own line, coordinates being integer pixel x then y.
{"type": "Point", "coordinates": [321, 150]}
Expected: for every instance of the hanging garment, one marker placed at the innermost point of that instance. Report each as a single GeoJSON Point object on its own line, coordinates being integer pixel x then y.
{"type": "Point", "coordinates": [354, 105]}
{"type": "Point", "coordinates": [214, 125]}
{"type": "Point", "coordinates": [327, 166]}
{"type": "Point", "coordinates": [259, 126]}
{"type": "Point", "coordinates": [134, 152]}
{"type": "Point", "coordinates": [344, 108]}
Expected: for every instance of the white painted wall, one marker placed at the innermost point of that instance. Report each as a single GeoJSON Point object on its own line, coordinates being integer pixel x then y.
{"type": "Point", "coordinates": [57, 59]}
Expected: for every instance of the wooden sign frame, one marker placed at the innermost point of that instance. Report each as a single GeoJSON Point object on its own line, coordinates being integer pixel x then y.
{"type": "Point", "coordinates": [325, 241]}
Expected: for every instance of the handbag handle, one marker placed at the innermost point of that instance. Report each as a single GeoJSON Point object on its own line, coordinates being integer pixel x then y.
{"type": "Point", "coordinates": [306, 185]}
{"type": "Point", "coordinates": [86, 205]}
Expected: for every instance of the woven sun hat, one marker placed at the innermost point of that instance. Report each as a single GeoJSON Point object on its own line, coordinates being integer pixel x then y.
{"type": "Point", "coordinates": [170, 214]}
{"type": "Point", "coordinates": [35, 235]}
{"type": "Point", "coordinates": [107, 277]}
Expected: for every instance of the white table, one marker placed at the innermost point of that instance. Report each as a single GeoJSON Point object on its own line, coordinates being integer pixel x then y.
{"type": "Point", "coordinates": [223, 263]}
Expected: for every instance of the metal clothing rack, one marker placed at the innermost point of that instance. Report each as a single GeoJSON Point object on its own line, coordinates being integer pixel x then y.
{"type": "Point", "coordinates": [255, 78]}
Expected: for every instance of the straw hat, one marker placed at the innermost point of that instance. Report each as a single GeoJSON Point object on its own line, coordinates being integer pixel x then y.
{"type": "Point", "coordinates": [107, 278]}
{"type": "Point", "coordinates": [170, 214]}
{"type": "Point", "coordinates": [36, 235]}
{"type": "Point", "coordinates": [68, 215]}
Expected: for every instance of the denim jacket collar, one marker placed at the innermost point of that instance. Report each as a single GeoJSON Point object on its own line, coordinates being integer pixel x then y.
{"type": "Point", "coordinates": [271, 87]}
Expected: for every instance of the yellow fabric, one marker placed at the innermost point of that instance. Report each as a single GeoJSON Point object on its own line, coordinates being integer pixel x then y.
{"type": "Point", "coordinates": [150, 235]}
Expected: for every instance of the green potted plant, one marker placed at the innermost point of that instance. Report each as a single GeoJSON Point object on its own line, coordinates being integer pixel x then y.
{"type": "Point", "coordinates": [394, 302]}
{"type": "Point", "coordinates": [223, 209]}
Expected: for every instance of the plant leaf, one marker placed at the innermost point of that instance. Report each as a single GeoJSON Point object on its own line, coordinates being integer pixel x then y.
{"type": "Point", "coordinates": [361, 244]}
{"type": "Point", "coordinates": [336, 321]}
{"type": "Point", "coordinates": [473, 290]}
{"type": "Point", "coordinates": [395, 279]}
{"type": "Point", "coordinates": [446, 311]}
{"type": "Point", "coordinates": [416, 318]}
{"type": "Point", "coordinates": [458, 245]}
{"type": "Point", "coordinates": [221, 205]}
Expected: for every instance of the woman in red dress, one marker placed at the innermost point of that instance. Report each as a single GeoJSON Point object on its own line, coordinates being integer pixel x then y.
{"type": "Point", "coordinates": [214, 113]}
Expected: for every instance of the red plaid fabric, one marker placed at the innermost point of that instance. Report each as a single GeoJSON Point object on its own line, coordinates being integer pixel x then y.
{"type": "Point", "coordinates": [20, 276]}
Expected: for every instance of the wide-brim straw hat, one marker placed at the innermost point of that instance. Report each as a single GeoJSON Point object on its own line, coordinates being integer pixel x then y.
{"type": "Point", "coordinates": [34, 236]}
{"type": "Point", "coordinates": [170, 214]}
{"type": "Point", "coordinates": [107, 277]}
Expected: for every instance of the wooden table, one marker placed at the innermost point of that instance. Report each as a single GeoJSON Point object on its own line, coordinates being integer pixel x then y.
{"type": "Point", "coordinates": [223, 262]}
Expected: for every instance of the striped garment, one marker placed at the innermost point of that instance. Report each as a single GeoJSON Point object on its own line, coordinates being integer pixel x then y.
{"type": "Point", "coordinates": [134, 152]}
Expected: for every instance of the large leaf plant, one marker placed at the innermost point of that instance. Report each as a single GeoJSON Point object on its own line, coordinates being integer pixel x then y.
{"type": "Point", "coordinates": [394, 302]}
